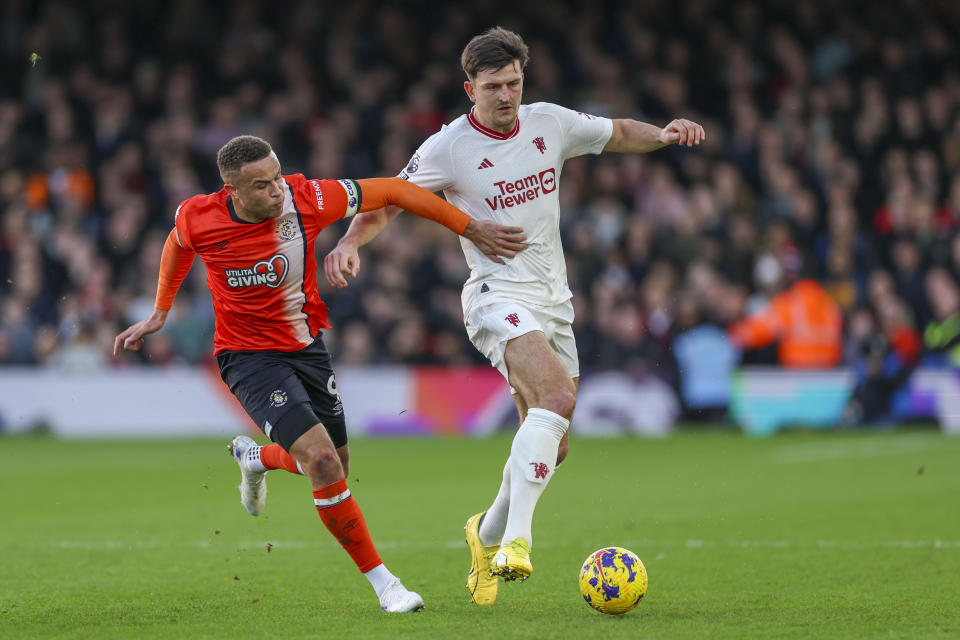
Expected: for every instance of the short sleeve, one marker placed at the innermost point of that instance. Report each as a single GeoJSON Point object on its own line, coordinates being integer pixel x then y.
{"type": "Point", "coordinates": [328, 200]}
{"type": "Point", "coordinates": [430, 165]}
{"type": "Point", "coordinates": [582, 133]}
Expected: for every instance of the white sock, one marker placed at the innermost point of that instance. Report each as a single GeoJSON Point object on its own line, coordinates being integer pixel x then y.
{"type": "Point", "coordinates": [533, 457]}
{"type": "Point", "coordinates": [252, 461]}
{"type": "Point", "coordinates": [380, 578]}
{"type": "Point", "coordinates": [495, 519]}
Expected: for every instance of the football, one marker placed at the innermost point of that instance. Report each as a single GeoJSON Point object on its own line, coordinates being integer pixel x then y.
{"type": "Point", "coordinates": [613, 580]}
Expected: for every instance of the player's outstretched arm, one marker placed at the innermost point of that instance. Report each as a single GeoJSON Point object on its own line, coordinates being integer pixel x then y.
{"type": "Point", "coordinates": [175, 263]}
{"type": "Point", "coordinates": [632, 136]}
{"type": "Point", "coordinates": [344, 259]}
{"type": "Point", "coordinates": [494, 240]}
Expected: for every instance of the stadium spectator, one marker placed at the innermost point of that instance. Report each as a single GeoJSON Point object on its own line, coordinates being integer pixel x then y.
{"type": "Point", "coordinates": [705, 360]}
{"type": "Point", "coordinates": [882, 349]}
{"type": "Point", "coordinates": [804, 322]}
{"type": "Point", "coordinates": [941, 336]}
{"type": "Point", "coordinates": [850, 138]}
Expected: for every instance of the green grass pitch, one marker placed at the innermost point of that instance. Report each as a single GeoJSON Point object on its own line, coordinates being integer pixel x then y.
{"type": "Point", "coordinates": [803, 535]}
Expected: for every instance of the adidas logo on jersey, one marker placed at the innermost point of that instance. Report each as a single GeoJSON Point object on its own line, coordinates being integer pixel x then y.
{"type": "Point", "coordinates": [486, 164]}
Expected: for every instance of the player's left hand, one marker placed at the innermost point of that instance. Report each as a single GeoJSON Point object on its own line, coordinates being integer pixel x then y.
{"type": "Point", "coordinates": [131, 338]}
{"type": "Point", "coordinates": [343, 261]}
{"type": "Point", "coordinates": [682, 132]}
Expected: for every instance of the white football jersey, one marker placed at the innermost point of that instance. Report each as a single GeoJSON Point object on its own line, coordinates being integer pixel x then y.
{"type": "Point", "coordinates": [511, 179]}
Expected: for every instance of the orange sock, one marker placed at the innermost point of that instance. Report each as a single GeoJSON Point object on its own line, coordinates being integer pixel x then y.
{"type": "Point", "coordinates": [342, 516]}
{"type": "Point", "coordinates": [274, 457]}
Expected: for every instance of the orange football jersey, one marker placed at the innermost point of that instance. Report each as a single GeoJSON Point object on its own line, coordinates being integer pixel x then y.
{"type": "Point", "coordinates": [263, 276]}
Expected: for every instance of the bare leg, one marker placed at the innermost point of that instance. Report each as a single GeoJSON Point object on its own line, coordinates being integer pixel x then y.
{"type": "Point", "coordinates": [318, 458]}
{"type": "Point", "coordinates": [564, 448]}
{"type": "Point", "coordinates": [549, 396]}
{"type": "Point", "coordinates": [344, 454]}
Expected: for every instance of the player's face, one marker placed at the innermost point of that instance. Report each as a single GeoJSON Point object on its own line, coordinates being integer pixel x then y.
{"type": "Point", "coordinates": [497, 95]}
{"type": "Point", "coordinates": [259, 188]}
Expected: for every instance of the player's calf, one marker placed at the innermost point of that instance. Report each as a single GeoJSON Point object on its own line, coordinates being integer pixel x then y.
{"type": "Point", "coordinates": [274, 457]}
{"type": "Point", "coordinates": [343, 519]}
{"type": "Point", "coordinates": [563, 448]}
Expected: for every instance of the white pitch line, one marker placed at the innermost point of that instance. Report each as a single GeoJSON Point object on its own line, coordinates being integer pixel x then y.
{"type": "Point", "coordinates": [245, 545]}
{"type": "Point", "coordinates": [815, 452]}
{"type": "Point", "coordinates": [821, 544]}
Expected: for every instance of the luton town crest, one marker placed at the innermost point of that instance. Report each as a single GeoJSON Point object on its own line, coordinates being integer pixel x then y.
{"type": "Point", "coordinates": [287, 229]}
{"type": "Point", "coordinates": [278, 398]}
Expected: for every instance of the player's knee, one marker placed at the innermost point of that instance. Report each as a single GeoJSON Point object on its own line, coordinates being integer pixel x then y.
{"type": "Point", "coordinates": [561, 402]}
{"type": "Point", "coordinates": [319, 460]}
{"type": "Point", "coordinates": [345, 463]}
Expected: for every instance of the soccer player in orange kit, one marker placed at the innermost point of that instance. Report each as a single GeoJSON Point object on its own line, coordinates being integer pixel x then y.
{"type": "Point", "coordinates": [256, 237]}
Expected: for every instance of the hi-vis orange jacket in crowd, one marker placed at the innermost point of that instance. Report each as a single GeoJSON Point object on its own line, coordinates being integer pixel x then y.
{"type": "Point", "coordinates": [805, 321]}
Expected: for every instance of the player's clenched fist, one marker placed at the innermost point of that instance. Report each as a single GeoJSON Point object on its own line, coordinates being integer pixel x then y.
{"type": "Point", "coordinates": [682, 132]}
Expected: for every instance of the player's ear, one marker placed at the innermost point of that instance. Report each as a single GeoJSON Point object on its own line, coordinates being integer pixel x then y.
{"type": "Point", "coordinates": [468, 87]}
{"type": "Point", "coordinates": [230, 189]}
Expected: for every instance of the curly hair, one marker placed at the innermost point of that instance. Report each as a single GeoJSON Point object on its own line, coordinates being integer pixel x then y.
{"type": "Point", "coordinates": [493, 49]}
{"type": "Point", "coordinates": [240, 151]}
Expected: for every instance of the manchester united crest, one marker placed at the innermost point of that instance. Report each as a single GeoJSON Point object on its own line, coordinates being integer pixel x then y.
{"type": "Point", "coordinates": [287, 229]}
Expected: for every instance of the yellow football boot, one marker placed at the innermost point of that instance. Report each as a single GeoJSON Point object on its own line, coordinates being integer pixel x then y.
{"type": "Point", "coordinates": [481, 584]}
{"type": "Point", "coordinates": [512, 561]}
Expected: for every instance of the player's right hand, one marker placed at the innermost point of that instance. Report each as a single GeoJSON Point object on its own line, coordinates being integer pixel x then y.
{"type": "Point", "coordinates": [344, 260]}
{"type": "Point", "coordinates": [131, 338]}
{"type": "Point", "coordinates": [495, 240]}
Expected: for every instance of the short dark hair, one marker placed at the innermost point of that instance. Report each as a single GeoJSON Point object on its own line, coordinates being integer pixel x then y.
{"type": "Point", "coordinates": [493, 49]}
{"type": "Point", "coordinates": [240, 151]}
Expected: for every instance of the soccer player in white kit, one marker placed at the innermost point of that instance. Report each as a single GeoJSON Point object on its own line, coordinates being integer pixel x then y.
{"type": "Point", "coordinates": [502, 162]}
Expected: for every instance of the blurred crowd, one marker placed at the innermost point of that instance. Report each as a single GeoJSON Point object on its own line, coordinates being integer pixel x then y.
{"type": "Point", "coordinates": [832, 163]}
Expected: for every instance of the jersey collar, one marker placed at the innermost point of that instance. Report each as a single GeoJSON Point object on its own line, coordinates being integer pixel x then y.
{"type": "Point", "coordinates": [490, 132]}
{"type": "Point", "coordinates": [233, 213]}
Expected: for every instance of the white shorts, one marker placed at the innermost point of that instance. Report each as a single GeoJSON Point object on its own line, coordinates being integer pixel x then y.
{"type": "Point", "coordinates": [492, 324]}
